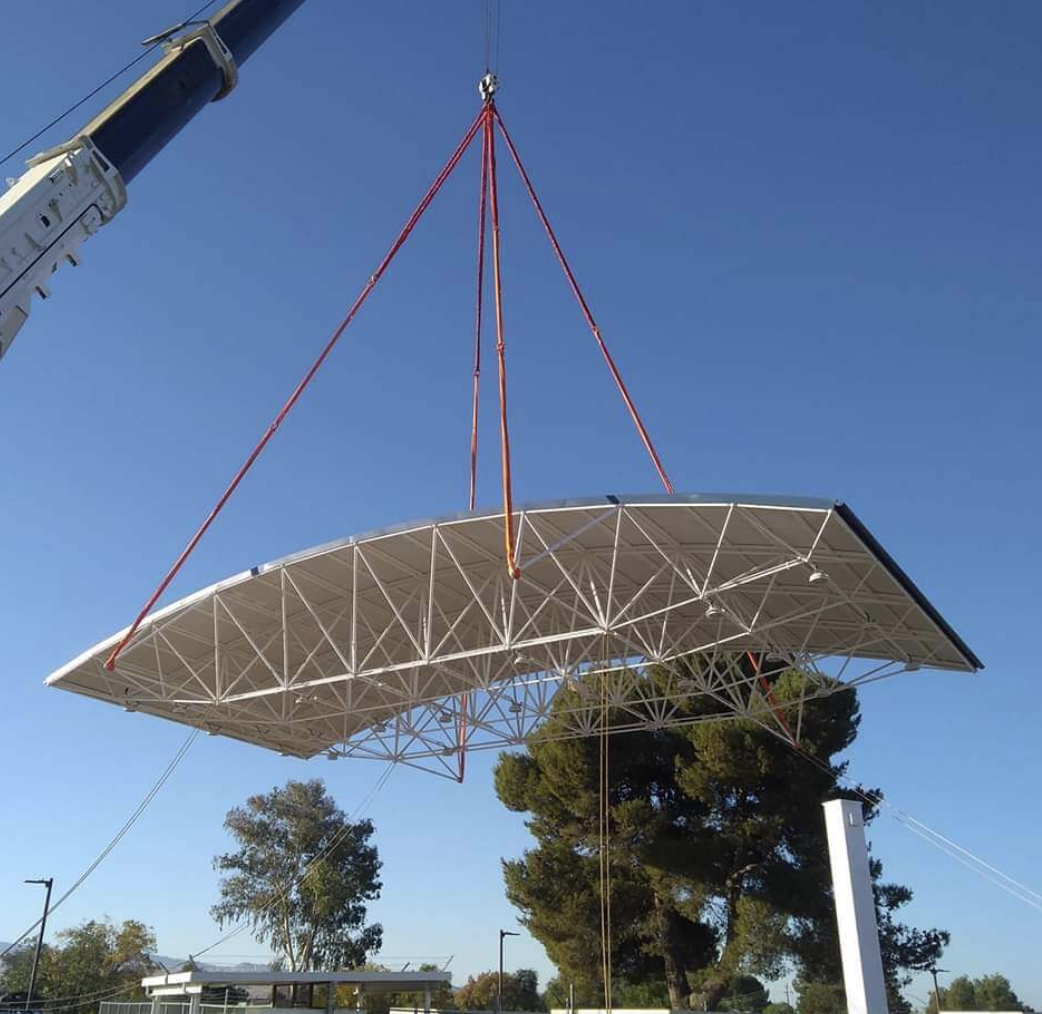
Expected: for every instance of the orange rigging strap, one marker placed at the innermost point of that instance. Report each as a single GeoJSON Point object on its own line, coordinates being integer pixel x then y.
{"type": "Point", "coordinates": [110, 662]}
{"type": "Point", "coordinates": [584, 306]}
{"type": "Point", "coordinates": [477, 323]}
{"type": "Point", "coordinates": [768, 692]}
{"type": "Point", "coordinates": [486, 121]}
{"type": "Point", "coordinates": [504, 433]}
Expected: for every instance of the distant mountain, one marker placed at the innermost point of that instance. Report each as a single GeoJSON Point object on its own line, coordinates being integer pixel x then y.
{"type": "Point", "coordinates": [175, 964]}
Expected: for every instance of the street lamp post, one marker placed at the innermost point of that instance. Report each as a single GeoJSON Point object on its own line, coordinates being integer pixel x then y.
{"type": "Point", "coordinates": [936, 991]}
{"type": "Point", "coordinates": [49, 882]}
{"type": "Point", "coordinates": [499, 982]}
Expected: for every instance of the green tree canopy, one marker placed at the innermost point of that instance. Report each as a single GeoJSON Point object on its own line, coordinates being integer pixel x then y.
{"type": "Point", "coordinates": [312, 920]}
{"type": "Point", "coordinates": [820, 998]}
{"type": "Point", "coordinates": [718, 852]}
{"type": "Point", "coordinates": [986, 993]}
{"type": "Point", "coordinates": [96, 960]}
{"type": "Point", "coordinates": [520, 991]}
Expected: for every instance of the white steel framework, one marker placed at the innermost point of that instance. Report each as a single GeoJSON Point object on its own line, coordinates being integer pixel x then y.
{"type": "Point", "coordinates": [414, 644]}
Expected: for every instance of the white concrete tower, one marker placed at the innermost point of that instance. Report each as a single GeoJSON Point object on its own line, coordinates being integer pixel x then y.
{"type": "Point", "coordinates": [855, 908]}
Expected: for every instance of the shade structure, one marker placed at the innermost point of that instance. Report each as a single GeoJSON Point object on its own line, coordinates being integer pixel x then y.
{"type": "Point", "coordinates": [414, 644]}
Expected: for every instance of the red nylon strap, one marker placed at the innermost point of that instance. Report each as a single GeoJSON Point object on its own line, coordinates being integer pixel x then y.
{"type": "Point", "coordinates": [477, 323]}
{"type": "Point", "coordinates": [461, 736]}
{"type": "Point", "coordinates": [110, 662]}
{"type": "Point", "coordinates": [772, 700]}
{"type": "Point", "coordinates": [504, 434]}
{"type": "Point", "coordinates": [619, 382]}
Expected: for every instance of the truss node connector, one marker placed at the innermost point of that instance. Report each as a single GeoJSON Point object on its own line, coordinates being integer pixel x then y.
{"type": "Point", "coordinates": [219, 52]}
{"type": "Point", "coordinates": [488, 86]}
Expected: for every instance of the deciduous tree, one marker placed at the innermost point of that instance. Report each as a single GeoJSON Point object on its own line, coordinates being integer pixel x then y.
{"type": "Point", "coordinates": [986, 993]}
{"type": "Point", "coordinates": [301, 877]}
{"type": "Point", "coordinates": [520, 991]}
{"type": "Point", "coordinates": [91, 962]}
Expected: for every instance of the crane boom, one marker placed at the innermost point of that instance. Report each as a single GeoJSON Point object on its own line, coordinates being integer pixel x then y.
{"type": "Point", "coordinates": [71, 191]}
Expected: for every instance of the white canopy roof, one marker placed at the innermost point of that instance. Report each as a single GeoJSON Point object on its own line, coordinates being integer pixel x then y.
{"type": "Point", "coordinates": [411, 642]}
{"type": "Point", "coordinates": [173, 983]}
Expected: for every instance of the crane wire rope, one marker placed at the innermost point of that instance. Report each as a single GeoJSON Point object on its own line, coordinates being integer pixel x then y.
{"type": "Point", "coordinates": [312, 864]}
{"type": "Point", "coordinates": [117, 838]}
{"type": "Point", "coordinates": [101, 87]}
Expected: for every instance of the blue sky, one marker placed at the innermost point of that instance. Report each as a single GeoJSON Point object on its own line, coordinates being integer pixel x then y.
{"type": "Point", "coordinates": [810, 233]}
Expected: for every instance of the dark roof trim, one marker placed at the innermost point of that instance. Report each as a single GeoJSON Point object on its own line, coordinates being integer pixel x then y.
{"type": "Point", "coordinates": [873, 545]}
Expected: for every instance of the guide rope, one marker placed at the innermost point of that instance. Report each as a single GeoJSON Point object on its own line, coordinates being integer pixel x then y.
{"type": "Point", "coordinates": [116, 839]}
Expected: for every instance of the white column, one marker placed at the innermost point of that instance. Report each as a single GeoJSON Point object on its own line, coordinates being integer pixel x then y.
{"type": "Point", "coordinates": [855, 908]}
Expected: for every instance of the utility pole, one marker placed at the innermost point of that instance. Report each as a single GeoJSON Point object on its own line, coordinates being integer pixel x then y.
{"type": "Point", "coordinates": [499, 982]}
{"type": "Point", "coordinates": [936, 991]}
{"type": "Point", "coordinates": [49, 881]}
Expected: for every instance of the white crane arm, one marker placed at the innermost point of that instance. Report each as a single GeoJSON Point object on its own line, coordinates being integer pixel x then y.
{"type": "Point", "coordinates": [65, 196]}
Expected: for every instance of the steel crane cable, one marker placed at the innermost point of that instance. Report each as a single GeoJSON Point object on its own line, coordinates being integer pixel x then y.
{"type": "Point", "coordinates": [131, 820]}
{"type": "Point", "coordinates": [101, 87]}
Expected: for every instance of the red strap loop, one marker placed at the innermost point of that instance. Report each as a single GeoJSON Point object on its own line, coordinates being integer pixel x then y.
{"type": "Point", "coordinates": [110, 662]}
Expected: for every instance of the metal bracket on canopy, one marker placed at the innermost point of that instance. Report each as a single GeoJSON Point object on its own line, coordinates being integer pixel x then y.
{"type": "Point", "coordinates": [488, 86]}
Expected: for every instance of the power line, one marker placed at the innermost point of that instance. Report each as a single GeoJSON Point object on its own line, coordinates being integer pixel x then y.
{"type": "Point", "coordinates": [961, 855]}
{"type": "Point", "coordinates": [312, 863]}
{"type": "Point", "coordinates": [104, 84]}
{"type": "Point", "coordinates": [51, 1005]}
{"type": "Point", "coordinates": [131, 820]}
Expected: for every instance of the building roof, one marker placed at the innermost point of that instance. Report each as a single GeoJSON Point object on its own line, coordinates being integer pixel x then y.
{"type": "Point", "coordinates": [173, 983]}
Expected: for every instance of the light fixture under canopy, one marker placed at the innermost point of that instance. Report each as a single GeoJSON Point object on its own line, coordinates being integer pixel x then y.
{"type": "Point", "coordinates": [414, 643]}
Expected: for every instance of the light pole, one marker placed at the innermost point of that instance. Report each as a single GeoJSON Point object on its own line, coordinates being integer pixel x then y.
{"type": "Point", "coordinates": [499, 982]}
{"type": "Point", "coordinates": [49, 881]}
{"type": "Point", "coordinates": [936, 991]}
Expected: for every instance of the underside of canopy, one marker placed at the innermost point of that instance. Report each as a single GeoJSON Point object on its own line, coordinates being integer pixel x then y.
{"type": "Point", "coordinates": [414, 644]}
